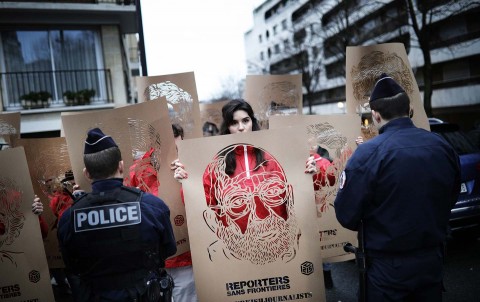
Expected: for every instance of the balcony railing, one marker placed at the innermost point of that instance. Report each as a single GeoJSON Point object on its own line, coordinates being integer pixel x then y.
{"type": "Point", "coordinates": [23, 90]}
{"type": "Point", "coordinates": [119, 2]}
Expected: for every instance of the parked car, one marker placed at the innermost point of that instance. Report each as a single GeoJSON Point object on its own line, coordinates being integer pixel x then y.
{"type": "Point", "coordinates": [466, 212]}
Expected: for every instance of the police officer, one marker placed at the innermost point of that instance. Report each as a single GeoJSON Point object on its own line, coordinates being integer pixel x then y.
{"type": "Point", "coordinates": [114, 239]}
{"type": "Point", "coordinates": [401, 185]}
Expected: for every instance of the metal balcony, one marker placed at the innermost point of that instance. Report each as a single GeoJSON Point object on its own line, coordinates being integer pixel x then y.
{"type": "Point", "coordinates": [61, 87]}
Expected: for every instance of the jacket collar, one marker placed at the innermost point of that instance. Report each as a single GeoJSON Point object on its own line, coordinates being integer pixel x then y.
{"type": "Point", "coordinates": [395, 124]}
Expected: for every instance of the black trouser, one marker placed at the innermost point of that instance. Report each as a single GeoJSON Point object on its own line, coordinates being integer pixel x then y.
{"type": "Point", "coordinates": [410, 277]}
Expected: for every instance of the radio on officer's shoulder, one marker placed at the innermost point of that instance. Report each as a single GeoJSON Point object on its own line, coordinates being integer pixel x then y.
{"type": "Point", "coordinates": [160, 289]}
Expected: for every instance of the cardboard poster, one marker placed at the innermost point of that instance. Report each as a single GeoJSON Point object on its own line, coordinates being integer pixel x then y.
{"type": "Point", "coordinates": [274, 95]}
{"type": "Point", "coordinates": [365, 64]}
{"type": "Point", "coordinates": [335, 135]}
{"type": "Point", "coordinates": [180, 92]}
{"type": "Point", "coordinates": [256, 239]}
{"type": "Point", "coordinates": [24, 271]}
{"type": "Point", "coordinates": [9, 128]}
{"type": "Point", "coordinates": [49, 165]}
{"type": "Point", "coordinates": [136, 129]}
{"type": "Point", "coordinates": [211, 115]}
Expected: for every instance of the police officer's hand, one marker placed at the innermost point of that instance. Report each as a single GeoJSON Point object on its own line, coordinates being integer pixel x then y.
{"type": "Point", "coordinates": [311, 165]}
{"type": "Point", "coordinates": [359, 140]}
{"type": "Point", "coordinates": [179, 170]}
{"type": "Point", "coordinates": [37, 206]}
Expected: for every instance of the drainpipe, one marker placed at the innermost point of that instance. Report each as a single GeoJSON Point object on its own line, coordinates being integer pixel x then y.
{"type": "Point", "coordinates": [141, 40]}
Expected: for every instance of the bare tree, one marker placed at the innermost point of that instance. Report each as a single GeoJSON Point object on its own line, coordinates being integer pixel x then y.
{"type": "Point", "coordinates": [232, 87]}
{"type": "Point", "coordinates": [422, 15]}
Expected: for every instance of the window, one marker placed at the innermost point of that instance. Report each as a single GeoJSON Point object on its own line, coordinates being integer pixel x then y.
{"type": "Point", "coordinates": [284, 24]}
{"type": "Point", "coordinates": [55, 61]}
{"type": "Point", "coordinates": [261, 56]}
{"type": "Point", "coordinates": [286, 44]}
{"type": "Point", "coordinates": [274, 30]}
{"type": "Point", "coordinates": [277, 48]}
{"type": "Point", "coordinates": [260, 38]}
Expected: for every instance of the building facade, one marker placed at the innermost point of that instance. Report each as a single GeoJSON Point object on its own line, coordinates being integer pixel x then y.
{"type": "Point", "coordinates": [61, 56]}
{"type": "Point", "coordinates": [311, 36]}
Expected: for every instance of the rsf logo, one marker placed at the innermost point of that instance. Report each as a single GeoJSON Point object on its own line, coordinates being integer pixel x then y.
{"type": "Point", "coordinates": [306, 268]}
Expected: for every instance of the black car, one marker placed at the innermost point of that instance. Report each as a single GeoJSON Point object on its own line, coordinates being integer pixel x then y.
{"type": "Point", "coordinates": [466, 212]}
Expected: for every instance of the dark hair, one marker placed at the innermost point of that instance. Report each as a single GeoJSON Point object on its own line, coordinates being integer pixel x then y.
{"type": "Point", "coordinates": [324, 153]}
{"type": "Point", "coordinates": [392, 107]}
{"type": "Point", "coordinates": [227, 113]}
{"type": "Point", "coordinates": [177, 130]}
{"type": "Point", "coordinates": [230, 108]}
{"type": "Point", "coordinates": [102, 164]}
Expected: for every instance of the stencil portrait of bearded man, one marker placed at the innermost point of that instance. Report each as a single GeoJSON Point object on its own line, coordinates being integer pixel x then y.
{"type": "Point", "coordinates": [6, 133]}
{"type": "Point", "coordinates": [180, 103]}
{"type": "Point", "coordinates": [278, 98]}
{"type": "Point", "coordinates": [146, 152]}
{"type": "Point", "coordinates": [326, 136]}
{"type": "Point", "coordinates": [250, 209]}
{"type": "Point", "coordinates": [274, 95]}
{"type": "Point", "coordinates": [11, 218]}
{"type": "Point", "coordinates": [365, 64]}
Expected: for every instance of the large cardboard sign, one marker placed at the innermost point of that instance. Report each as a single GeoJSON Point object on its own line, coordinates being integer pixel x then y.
{"type": "Point", "coordinates": [180, 92]}
{"type": "Point", "coordinates": [136, 129]}
{"type": "Point", "coordinates": [211, 114]}
{"type": "Point", "coordinates": [9, 128]}
{"type": "Point", "coordinates": [24, 271]}
{"type": "Point", "coordinates": [335, 135]}
{"type": "Point", "coordinates": [274, 95]}
{"type": "Point", "coordinates": [255, 237]}
{"type": "Point", "coordinates": [365, 64]}
{"type": "Point", "coordinates": [49, 166]}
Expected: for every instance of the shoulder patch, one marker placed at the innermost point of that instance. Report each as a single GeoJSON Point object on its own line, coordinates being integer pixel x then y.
{"type": "Point", "coordinates": [343, 178]}
{"type": "Point", "coordinates": [107, 216]}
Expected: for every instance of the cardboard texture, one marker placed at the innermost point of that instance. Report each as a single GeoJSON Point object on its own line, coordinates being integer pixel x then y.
{"type": "Point", "coordinates": [211, 115]}
{"type": "Point", "coordinates": [275, 258]}
{"type": "Point", "coordinates": [336, 134]}
{"type": "Point", "coordinates": [9, 128]}
{"type": "Point", "coordinates": [135, 129]}
{"type": "Point", "coordinates": [365, 64]}
{"type": "Point", "coordinates": [48, 161]}
{"type": "Point", "coordinates": [180, 92]}
{"type": "Point", "coordinates": [274, 95]}
{"type": "Point", "coordinates": [24, 271]}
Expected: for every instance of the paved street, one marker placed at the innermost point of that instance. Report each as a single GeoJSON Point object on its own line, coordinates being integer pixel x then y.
{"type": "Point", "coordinates": [462, 278]}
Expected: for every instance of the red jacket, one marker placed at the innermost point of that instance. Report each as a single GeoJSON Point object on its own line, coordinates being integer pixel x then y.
{"type": "Point", "coordinates": [59, 202]}
{"type": "Point", "coordinates": [260, 189]}
{"type": "Point", "coordinates": [143, 175]}
{"type": "Point", "coordinates": [326, 171]}
{"type": "Point", "coordinates": [43, 226]}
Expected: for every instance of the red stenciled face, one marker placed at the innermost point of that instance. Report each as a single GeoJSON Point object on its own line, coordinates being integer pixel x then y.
{"type": "Point", "coordinates": [11, 218]}
{"type": "Point", "coordinates": [254, 207]}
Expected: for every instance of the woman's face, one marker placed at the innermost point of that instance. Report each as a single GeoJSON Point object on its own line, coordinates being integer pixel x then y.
{"type": "Point", "coordinates": [241, 122]}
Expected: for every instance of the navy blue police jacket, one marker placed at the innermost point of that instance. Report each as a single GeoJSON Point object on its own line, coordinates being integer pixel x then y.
{"type": "Point", "coordinates": [402, 184]}
{"type": "Point", "coordinates": [147, 223]}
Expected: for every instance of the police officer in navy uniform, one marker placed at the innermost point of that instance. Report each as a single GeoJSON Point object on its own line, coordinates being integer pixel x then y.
{"type": "Point", "coordinates": [114, 239]}
{"type": "Point", "coordinates": [401, 185]}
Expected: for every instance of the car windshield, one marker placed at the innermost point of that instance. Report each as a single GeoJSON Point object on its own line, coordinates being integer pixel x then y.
{"type": "Point", "coordinates": [459, 140]}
